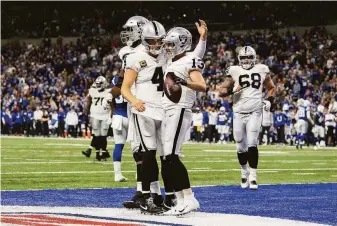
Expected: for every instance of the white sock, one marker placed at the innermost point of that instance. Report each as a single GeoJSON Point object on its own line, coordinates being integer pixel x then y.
{"type": "Point", "coordinates": [180, 197]}
{"type": "Point", "coordinates": [252, 175]}
{"type": "Point", "coordinates": [244, 171]}
{"type": "Point", "coordinates": [139, 186]}
{"type": "Point", "coordinates": [90, 147]}
{"type": "Point", "coordinates": [155, 187]}
{"type": "Point", "coordinates": [188, 195]}
{"type": "Point", "coordinates": [117, 168]}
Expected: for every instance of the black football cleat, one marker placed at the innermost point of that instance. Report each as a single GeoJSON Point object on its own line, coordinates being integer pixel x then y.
{"type": "Point", "coordinates": [98, 156]}
{"type": "Point", "coordinates": [105, 154]}
{"type": "Point", "coordinates": [87, 153]}
{"type": "Point", "coordinates": [150, 208]}
{"type": "Point", "coordinates": [135, 202]}
{"type": "Point", "coordinates": [169, 203]}
{"type": "Point", "coordinates": [157, 199]}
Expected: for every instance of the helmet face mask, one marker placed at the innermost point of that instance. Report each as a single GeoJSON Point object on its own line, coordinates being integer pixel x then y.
{"type": "Point", "coordinates": [247, 57]}
{"type": "Point", "coordinates": [130, 35]}
{"type": "Point", "coordinates": [152, 36]}
{"type": "Point", "coordinates": [133, 29]}
{"type": "Point", "coordinates": [155, 46]}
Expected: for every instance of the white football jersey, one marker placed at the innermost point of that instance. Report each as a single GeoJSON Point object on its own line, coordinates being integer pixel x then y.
{"type": "Point", "coordinates": [181, 68]}
{"type": "Point", "coordinates": [127, 50]}
{"type": "Point", "coordinates": [149, 82]}
{"type": "Point", "coordinates": [97, 109]}
{"type": "Point", "coordinates": [249, 99]}
{"type": "Point", "coordinates": [124, 53]}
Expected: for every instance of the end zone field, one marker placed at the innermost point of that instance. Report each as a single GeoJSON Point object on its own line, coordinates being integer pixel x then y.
{"type": "Point", "coordinates": [57, 168]}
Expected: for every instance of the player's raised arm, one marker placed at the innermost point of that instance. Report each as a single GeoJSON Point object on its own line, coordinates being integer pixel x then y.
{"type": "Point", "coordinates": [200, 49]}
{"type": "Point", "coordinates": [130, 78]}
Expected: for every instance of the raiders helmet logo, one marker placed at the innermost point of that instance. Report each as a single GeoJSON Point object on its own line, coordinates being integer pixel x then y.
{"type": "Point", "coordinates": [182, 39]}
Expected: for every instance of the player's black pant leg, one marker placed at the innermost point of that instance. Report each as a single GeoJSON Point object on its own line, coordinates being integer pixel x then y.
{"type": "Point", "coordinates": [93, 141]}
{"type": "Point", "coordinates": [179, 170]}
{"type": "Point", "coordinates": [138, 157]}
{"type": "Point", "coordinates": [243, 158]}
{"type": "Point", "coordinates": [147, 166]}
{"type": "Point", "coordinates": [166, 172]}
{"type": "Point", "coordinates": [155, 169]}
{"type": "Point", "coordinates": [253, 157]}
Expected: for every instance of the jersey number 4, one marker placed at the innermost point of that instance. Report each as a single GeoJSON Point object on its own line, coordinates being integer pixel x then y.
{"type": "Point", "coordinates": [158, 78]}
{"type": "Point", "coordinates": [254, 81]}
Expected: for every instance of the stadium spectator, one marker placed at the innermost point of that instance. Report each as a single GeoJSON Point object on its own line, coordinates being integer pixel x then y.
{"type": "Point", "coordinates": [45, 121]}
{"type": "Point", "coordinates": [37, 121]}
{"type": "Point", "coordinates": [61, 122]}
{"type": "Point", "coordinates": [197, 118]}
{"type": "Point", "coordinates": [72, 122]}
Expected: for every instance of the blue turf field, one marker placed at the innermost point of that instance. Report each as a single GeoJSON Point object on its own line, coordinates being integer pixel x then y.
{"type": "Point", "coordinates": [305, 202]}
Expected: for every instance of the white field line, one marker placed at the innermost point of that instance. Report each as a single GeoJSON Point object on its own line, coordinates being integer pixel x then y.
{"type": "Point", "coordinates": [303, 173]}
{"type": "Point", "coordinates": [34, 161]}
{"type": "Point", "coordinates": [199, 170]}
{"type": "Point", "coordinates": [196, 186]}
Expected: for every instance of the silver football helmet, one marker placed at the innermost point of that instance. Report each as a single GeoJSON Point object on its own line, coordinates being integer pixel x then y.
{"type": "Point", "coordinates": [177, 41]}
{"type": "Point", "coordinates": [247, 57]}
{"type": "Point", "coordinates": [133, 29]}
{"type": "Point", "coordinates": [152, 37]}
{"type": "Point", "coordinates": [100, 83]}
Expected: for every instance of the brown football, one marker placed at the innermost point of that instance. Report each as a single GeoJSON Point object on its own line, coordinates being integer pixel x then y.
{"type": "Point", "coordinates": [171, 89]}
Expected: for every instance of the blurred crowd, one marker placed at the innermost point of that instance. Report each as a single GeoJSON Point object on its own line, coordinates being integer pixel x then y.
{"type": "Point", "coordinates": [42, 19]}
{"type": "Point", "coordinates": [41, 85]}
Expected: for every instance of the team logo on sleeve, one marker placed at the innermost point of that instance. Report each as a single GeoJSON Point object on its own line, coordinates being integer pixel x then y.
{"type": "Point", "coordinates": [143, 63]}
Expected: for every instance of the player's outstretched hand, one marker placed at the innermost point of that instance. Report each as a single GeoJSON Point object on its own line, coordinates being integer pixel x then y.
{"type": "Point", "coordinates": [139, 105]}
{"type": "Point", "coordinates": [202, 29]}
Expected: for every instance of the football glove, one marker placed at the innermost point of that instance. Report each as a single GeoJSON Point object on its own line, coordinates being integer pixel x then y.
{"type": "Point", "coordinates": [180, 81]}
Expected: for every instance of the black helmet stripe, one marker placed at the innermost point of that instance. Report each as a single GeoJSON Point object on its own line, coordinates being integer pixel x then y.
{"type": "Point", "coordinates": [246, 49]}
{"type": "Point", "coordinates": [155, 27]}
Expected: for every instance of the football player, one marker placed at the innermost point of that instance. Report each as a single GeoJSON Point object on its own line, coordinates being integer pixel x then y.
{"type": "Point", "coordinates": [183, 75]}
{"type": "Point", "coordinates": [120, 124]}
{"type": "Point", "coordinates": [246, 82]}
{"type": "Point", "coordinates": [318, 130]}
{"type": "Point", "coordinates": [302, 117]}
{"type": "Point", "coordinates": [92, 145]}
{"type": "Point", "coordinates": [100, 103]}
{"type": "Point", "coordinates": [147, 69]}
{"type": "Point", "coordinates": [223, 125]}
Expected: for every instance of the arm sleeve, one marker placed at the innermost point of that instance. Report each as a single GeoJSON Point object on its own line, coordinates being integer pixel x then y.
{"type": "Point", "coordinates": [200, 49]}
{"type": "Point", "coordinates": [133, 63]}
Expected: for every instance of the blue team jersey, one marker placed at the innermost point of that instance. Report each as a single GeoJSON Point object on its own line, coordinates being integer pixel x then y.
{"type": "Point", "coordinates": [222, 119]}
{"type": "Point", "coordinates": [302, 113]}
{"type": "Point", "coordinates": [319, 119]}
{"type": "Point", "coordinates": [280, 119]}
{"type": "Point", "coordinates": [121, 104]}
{"type": "Point", "coordinates": [61, 116]}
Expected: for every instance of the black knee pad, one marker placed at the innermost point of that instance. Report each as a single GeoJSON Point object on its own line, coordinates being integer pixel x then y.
{"type": "Point", "coordinates": [138, 157]}
{"type": "Point", "coordinates": [253, 157]}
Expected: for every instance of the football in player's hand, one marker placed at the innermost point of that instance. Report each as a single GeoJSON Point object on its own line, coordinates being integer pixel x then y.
{"type": "Point", "coordinates": [171, 89]}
